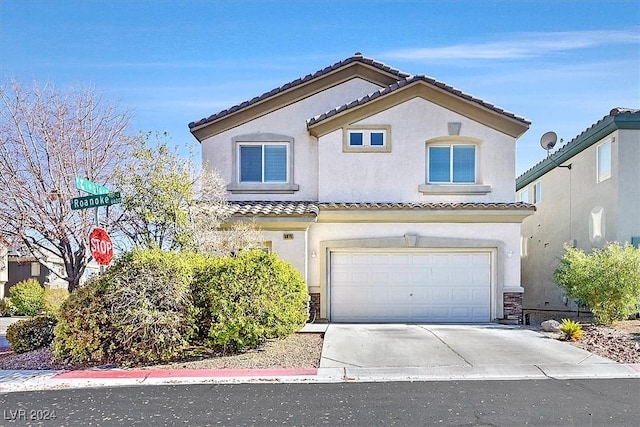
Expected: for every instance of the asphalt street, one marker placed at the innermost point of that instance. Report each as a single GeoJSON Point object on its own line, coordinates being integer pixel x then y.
{"type": "Point", "coordinates": [459, 403]}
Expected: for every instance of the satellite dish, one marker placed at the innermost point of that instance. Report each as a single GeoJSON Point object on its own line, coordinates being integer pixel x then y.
{"type": "Point", "coordinates": [548, 140]}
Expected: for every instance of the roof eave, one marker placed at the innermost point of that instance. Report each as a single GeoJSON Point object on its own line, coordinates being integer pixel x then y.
{"type": "Point", "coordinates": [511, 126]}
{"type": "Point", "coordinates": [599, 131]}
{"type": "Point", "coordinates": [283, 97]}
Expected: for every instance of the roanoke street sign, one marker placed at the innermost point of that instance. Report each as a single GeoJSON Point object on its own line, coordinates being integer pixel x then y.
{"type": "Point", "coordinates": [90, 186]}
{"type": "Point", "coordinates": [95, 201]}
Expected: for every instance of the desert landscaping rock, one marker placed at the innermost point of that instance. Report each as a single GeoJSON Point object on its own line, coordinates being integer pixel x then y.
{"type": "Point", "coordinates": [623, 347]}
{"type": "Point", "coordinates": [550, 326]}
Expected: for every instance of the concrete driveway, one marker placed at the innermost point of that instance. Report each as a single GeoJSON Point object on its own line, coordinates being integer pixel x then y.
{"type": "Point", "coordinates": [458, 351]}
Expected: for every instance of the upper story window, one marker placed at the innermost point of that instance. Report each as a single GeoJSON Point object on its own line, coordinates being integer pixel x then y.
{"type": "Point", "coordinates": [374, 139]}
{"type": "Point", "coordinates": [452, 166]}
{"type": "Point", "coordinates": [455, 163]}
{"type": "Point", "coordinates": [524, 196]}
{"type": "Point", "coordinates": [537, 192]}
{"type": "Point", "coordinates": [604, 161]}
{"type": "Point", "coordinates": [262, 163]}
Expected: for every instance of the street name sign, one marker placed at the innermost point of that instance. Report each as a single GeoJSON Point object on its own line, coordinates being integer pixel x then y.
{"type": "Point", "coordinates": [90, 187]}
{"type": "Point", "coordinates": [95, 201]}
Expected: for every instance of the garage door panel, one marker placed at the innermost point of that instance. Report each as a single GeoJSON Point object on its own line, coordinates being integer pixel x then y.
{"type": "Point", "coordinates": [410, 286]}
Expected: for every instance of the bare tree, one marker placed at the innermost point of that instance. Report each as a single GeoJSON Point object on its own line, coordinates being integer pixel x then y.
{"type": "Point", "coordinates": [47, 139]}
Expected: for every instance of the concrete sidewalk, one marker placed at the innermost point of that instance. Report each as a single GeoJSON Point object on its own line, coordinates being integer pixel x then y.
{"type": "Point", "coordinates": [369, 353]}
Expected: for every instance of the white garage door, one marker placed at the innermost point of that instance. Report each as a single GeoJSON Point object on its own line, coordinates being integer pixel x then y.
{"type": "Point", "coordinates": [410, 287]}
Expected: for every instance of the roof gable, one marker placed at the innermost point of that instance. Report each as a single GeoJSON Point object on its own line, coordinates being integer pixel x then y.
{"type": "Point", "coordinates": [427, 88]}
{"type": "Point", "coordinates": [296, 90]}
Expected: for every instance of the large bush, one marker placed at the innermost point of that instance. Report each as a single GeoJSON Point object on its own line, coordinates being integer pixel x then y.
{"type": "Point", "coordinates": [140, 311]}
{"type": "Point", "coordinates": [31, 334]}
{"type": "Point", "coordinates": [607, 280]}
{"type": "Point", "coordinates": [245, 300]}
{"type": "Point", "coordinates": [53, 298]}
{"type": "Point", "coordinates": [27, 297]}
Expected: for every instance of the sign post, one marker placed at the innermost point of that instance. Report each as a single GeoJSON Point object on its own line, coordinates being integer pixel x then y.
{"type": "Point", "coordinates": [100, 243]}
{"type": "Point", "coordinates": [101, 246]}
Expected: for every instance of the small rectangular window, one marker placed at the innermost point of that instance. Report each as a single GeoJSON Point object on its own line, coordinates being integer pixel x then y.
{"type": "Point", "coordinates": [355, 138]}
{"type": "Point", "coordinates": [362, 139]}
{"type": "Point", "coordinates": [377, 138]}
{"type": "Point", "coordinates": [35, 269]}
{"type": "Point", "coordinates": [604, 161]}
{"type": "Point", "coordinates": [537, 192]}
{"type": "Point", "coordinates": [524, 196]}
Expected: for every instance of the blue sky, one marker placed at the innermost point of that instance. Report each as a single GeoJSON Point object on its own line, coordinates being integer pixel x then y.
{"type": "Point", "coordinates": [561, 64]}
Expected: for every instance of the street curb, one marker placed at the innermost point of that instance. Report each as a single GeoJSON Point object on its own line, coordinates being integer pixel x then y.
{"type": "Point", "coordinates": [185, 373]}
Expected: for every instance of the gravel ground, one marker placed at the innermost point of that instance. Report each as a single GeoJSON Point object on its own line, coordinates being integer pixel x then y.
{"type": "Point", "coordinates": [301, 350]}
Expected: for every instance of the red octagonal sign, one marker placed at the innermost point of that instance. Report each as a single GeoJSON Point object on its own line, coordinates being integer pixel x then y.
{"type": "Point", "coordinates": [101, 246]}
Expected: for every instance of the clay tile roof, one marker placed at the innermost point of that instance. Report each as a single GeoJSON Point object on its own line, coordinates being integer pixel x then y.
{"type": "Point", "coordinates": [312, 209]}
{"type": "Point", "coordinates": [357, 57]}
{"type": "Point", "coordinates": [405, 82]}
{"type": "Point", "coordinates": [298, 209]}
{"type": "Point", "coordinates": [427, 206]}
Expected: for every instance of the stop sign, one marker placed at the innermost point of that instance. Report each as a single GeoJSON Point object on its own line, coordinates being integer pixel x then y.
{"type": "Point", "coordinates": [100, 246]}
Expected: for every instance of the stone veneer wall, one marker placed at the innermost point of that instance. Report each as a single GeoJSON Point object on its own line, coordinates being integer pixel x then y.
{"type": "Point", "coordinates": [315, 302]}
{"type": "Point", "coordinates": [512, 306]}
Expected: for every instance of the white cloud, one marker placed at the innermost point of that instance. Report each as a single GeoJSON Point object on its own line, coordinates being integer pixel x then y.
{"type": "Point", "coordinates": [522, 45]}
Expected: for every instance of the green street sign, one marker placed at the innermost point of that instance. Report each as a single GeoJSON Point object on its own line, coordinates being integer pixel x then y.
{"type": "Point", "coordinates": [90, 186]}
{"type": "Point", "coordinates": [95, 201]}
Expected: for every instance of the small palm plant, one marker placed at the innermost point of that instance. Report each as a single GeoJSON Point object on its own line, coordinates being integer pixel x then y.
{"type": "Point", "coordinates": [572, 330]}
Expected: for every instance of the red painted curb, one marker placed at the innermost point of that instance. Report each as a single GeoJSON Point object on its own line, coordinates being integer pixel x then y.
{"type": "Point", "coordinates": [185, 373]}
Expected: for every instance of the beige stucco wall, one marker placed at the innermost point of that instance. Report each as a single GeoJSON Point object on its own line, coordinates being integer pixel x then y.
{"type": "Point", "coordinates": [571, 201]}
{"type": "Point", "coordinates": [395, 176]}
{"type": "Point", "coordinates": [628, 167]}
{"type": "Point", "coordinates": [217, 151]}
{"type": "Point", "coordinates": [290, 245]}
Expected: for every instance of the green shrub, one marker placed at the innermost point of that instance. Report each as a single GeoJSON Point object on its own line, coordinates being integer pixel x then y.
{"type": "Point", "coordinates": [27, 297]}
{"type": "Point", "coordinates": [245, 300]}
{"type": "Point", "coordinates": [6, 308]}
{"type": "Point", "coordinates": [139, 312]}
{"type": "Point", "coordinates": [571, 330]}
{"type": "Point", "coordinates": [53, 298]}
{"type": "Point", "coordinates": [607, 280]}
{"type": "Point", "coordinates": [31, 334]}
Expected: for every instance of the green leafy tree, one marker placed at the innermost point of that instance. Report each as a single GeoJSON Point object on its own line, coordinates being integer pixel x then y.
{"type": "Point", "coordinates": [607, 280]}
{"type": "Point", "coordinates": [169, 204]}
{"type": "Point", "coordinates": [157, 187]}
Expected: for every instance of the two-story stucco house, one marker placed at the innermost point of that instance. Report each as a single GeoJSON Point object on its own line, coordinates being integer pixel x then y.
{"type": "Point", "coordinates": [393, 194]}
{"type": "Point", "coordinates": [586, 194]}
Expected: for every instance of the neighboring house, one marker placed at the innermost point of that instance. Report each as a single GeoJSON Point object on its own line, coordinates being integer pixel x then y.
{"type": "Point", "coordinates": [4, 266]}
{"type": "Point", "coordinates": [594, 201]}
{"type": "Point", "coordinates": [392, 194]}
{"type": "Point", "coordinates": [27, 267]}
